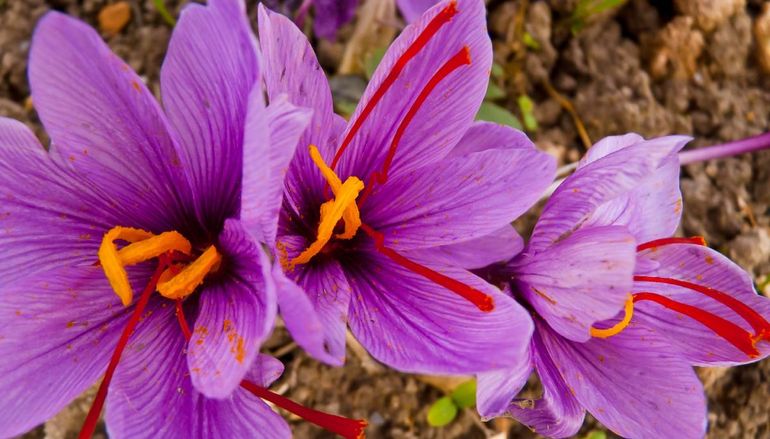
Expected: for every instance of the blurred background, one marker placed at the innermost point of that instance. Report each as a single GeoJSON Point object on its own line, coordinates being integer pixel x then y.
{"type": "Point", "coordinates": [568, 72]}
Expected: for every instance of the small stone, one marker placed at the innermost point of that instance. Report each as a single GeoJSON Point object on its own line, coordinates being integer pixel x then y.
{"type": "Point", "coordinates": [676, 49]}
{"type": "Point", "coordinates": [750, 249]}
{"type": "Point", "coordinates": [761, 31]}
{"type": "Point", "coordinates": [709, 14]}
{"type": "Point", "coordinates": [113, 18]}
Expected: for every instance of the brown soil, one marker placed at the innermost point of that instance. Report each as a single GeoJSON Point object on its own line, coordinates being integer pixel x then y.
{"type": "Point", "coordinates": [648, 68]}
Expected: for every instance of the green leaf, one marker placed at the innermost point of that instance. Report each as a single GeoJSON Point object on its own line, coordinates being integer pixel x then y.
{"type": "Point", "coordinates": [596, 434]}
{"type": "Point", "coordinates": [160, 5]}
{"type": "Point", "coordinates": [495, 113]}
{"type": "Point", "coordinates": [530, 41]}
{"type": "Point", "coordinates": [464, 395]}
{"type": "Point", "coordinates": [442, 412]}
{"type": "Point", "coordinates": [527, 108]}
{"type": "Point", "coordinates": [494, 92]}
{"type": "Point", "coordinates": [497, 70]}
{"type": "Point", "coordinates": [372, 61]}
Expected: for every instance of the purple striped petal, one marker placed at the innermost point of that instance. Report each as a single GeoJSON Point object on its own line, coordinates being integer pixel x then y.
{"type": "Point", "coordinates": [447, 112]}
{"type": "Point", "coordinates": [556, 413]}
{"type": "Point", "coordinates": [104, 121]}
{"type": "Point", "coordinates": [235, 316]}
{"type": "Point", "coordinates": [705, 267]}
{"type": "Point", "coordinates": [415, 325]}
{"type": "Point", "coordinates": [152, 395]}
{"type": "Point", "coordinates": [580, 280]}
{"type": "Point", "coordinates": [209, 71]}
{"type": "Point", "coordinates": [57, 333]}
{"type": "Point", "coordinates": [631, 383]}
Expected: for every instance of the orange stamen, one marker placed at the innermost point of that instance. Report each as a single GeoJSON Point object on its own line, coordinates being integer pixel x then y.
{"type": "Point", "coordinates": [618, 327]}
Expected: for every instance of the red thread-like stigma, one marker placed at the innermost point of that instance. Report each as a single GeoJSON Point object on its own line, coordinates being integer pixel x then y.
{"type": "Point", "coordinates": [442, 18]}
{"type": "Point", "coordinates": [697, 240]}
{"type": "Point", "coordinates": [345, 427]}
{"type": "Point", "coordinates": [753, 318]}
{"type": "Point", "coordinates": [482, 301]}
{"type": "Point", "coordinates": [96, 407]}
{"type": "Point", "coordinates": [734, 334]}
{"type": "Point", "coordinates": [461, 58]}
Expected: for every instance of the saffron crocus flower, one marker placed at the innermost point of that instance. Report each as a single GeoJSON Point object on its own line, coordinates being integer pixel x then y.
{"type": "Point", "coordinates": [166, 188]}
{"type": "Point", "coordinates": [623, 310]}
{"type": "Point", "coordinates": [374, 208]}
{"type": "Point", "coordinates": [330, 15]}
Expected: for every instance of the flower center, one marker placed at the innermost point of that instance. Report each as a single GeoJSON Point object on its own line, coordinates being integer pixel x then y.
{"type": "Point", "coordinates": [342, 207]}
{"type": "Point", "coordinates": [179, 280]}
{"type": "Point", "coordinates": [744, 340]}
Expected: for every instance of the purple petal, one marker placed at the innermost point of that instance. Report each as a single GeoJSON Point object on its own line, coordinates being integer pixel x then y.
{"type": "Point", "coordinates": [104, 121]}
{"type": "Point", "coordinates": [499, 246]}
{"type": "Point", "coordinates": [609, 145]}
{"type": "Point", "coordinates": [557, 413]}
{"type": "Point", "coordinates": [706, 267]}
{"type": "Point", "coordinates": [152, 395]}
{"type": "Point", "coordinates": [291, 68]}
{"type": "Point", "coordinates": [581, 280]}
{"type": "Point", "coordinates": [653, 208]}
{"type": "Point", "coordinates": [57, 333]}
{"type": "Point", "coordinates": [271, 139]}
{"type": "Point", "coordinates": [314, 301]}
{"type": "Point", "coordinates": [577, 199]}
{"type": "Point", "coordinates": [209, 71]}
{"type": "Point", "coordinates": [631, 383]}
{"type": "Point", "coordinates": [50, 217]}
{"type": "Point", "coordinates": [330, 15]}
{"type": "Point", "coordinates": [458, 199]}
{"type": "Point", "coordinates": [415, 325]}
{"type": "Point", "coordinates": [487, 135]}
{"type": "Point", "coordinates": [496, 389]}
{"type": "Point", "coordinates": [447, 112]}
{"type": "Point", "coordinates": [412, 9]}
{"type": "Point", "coordinates": [235, 316]}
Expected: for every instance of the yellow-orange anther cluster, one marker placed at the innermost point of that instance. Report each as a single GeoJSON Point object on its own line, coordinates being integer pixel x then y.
{"type": "Point", "coordinates": [342, 207]}
{"type": "Point", "coordinates": [176, 282]}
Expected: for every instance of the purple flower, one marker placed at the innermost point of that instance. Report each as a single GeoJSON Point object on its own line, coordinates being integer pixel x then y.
{"type": "Point", "coordinates": [408, 181]}
{"type": "Point", "coordinates": [168, 184]}
{"type": "Point", "coordinates": [412, 9]}
{"type": "Point", "coordinates": [622, 310]}
{"type": "Point", "coordinates": [330, 15]}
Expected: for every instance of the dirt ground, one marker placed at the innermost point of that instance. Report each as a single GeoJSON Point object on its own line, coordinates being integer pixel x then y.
{"type": "Point", "coordinates": [653, 67]}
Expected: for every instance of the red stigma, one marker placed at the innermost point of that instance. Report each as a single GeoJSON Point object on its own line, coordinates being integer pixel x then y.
{"type": "Point", "coordinates": [96, 407]}
{"type": "Point", "coordinates": [482, 301]}
{"type": "Point", "coordinates": [345, 427]}
{"type": "Point", "coordinates": [696, 240]}
{"type": "Point", "coordinates": [753, 318]}
{"type": "Point", "coordinates": [734, 334]}
{"type": "Point", "coordinates": [461, 58]}
{"type": "Point", "coordinates": [442, 18]}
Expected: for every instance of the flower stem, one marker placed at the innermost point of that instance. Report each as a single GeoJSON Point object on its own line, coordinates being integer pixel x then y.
{"type": "Point", "coordinates": [750, 144]}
